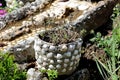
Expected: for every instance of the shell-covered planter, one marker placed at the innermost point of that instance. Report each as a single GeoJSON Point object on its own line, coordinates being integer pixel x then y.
{"type": "Point", "coordinates": [64, 57]}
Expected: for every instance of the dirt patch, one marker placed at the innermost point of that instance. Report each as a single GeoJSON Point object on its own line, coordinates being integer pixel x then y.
{"type": "Point", "coordinates": [59, 36]}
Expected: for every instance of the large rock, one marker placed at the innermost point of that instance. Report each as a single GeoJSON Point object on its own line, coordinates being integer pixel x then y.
{"type": "Point", "coordinates": [33, 74]}
{"type": "Point", "coordinates": [23, 51]}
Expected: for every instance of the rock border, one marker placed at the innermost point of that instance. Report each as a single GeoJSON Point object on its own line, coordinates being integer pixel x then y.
{"type": "Point", "coordinates": [22, 12]}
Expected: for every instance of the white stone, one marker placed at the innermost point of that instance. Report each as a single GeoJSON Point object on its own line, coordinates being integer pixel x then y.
{"type": "Point", "coordinates": [37, 48]}
{"type": "Point", "coordinates": [52, 48]}
{"type": "Point", "coordinates": [43, 68]}
{"type": "Point", "coordinates": [65, 65]}
{"type": "Point", "coordinates": [43, 52]}
{"type": "Point", "coordinates": [76, 62]}
{"type": "Point", "coordinates": [67, 54]}
{"type": "Point", "coordinates": [40, 61]}
{"type": "Point", "coordinates": [58, 66]}
{"type": "Point", "coordinates": [21, 3]}
{"type": "Point", "coordinates": [71, 47]}
{"type": "Point", "coordinates": [70, 68]}
{"type": "Point", "coordinates": [59, 61]}
{"type": "Point", "coordinates": [33, 8]}
{"type": "Point", "coordinates": [73, 58]}
{"type": "Point", "coordinates": [9, 1]}
{"type": "Point", "coordinates": [51, 61]}
{"type": "Point", "coordinates": [45, 59]}
{"type": "Point", "coordinates": [33, 74]}
{"type": "Point", "coordinates": [45, 64]}
{"type": "Point", "coordinates": [71, 64]}
{"type": "Point", "coordinates": [45, 46]}
{"type": "Point", "coordinates": [83, 7]}
{"type": "Point", "coordinates": [49, 55]}
{"type": "Point", "coordinates": [76, 52]}
{"type": "Point", "coordinates": [64, 70]}
{"type": "Point", "coordinates": [66, 60]}
{"type": "Point", "coordinates": [64, 48]}
{"type": "Point", "coordinates": [77, 57]}
{"type": "Point", "coordinates": [38, 42]}
{"type": "Point", "coordinates": [79, 45]}
{"type": "Point", "coordinates": [40, 57]}
{"type": "Point", "coordinates": [51, 66]}
{"type": "Point", "coordinates": [59, 56]}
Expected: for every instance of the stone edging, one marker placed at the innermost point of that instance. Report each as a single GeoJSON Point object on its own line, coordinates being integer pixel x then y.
{"type": "Point", "coordinates": [22, 12]}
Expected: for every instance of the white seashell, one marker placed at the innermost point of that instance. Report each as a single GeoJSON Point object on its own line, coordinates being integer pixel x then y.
{"type": "Point", "coordinates": [58, 66]}
{"type": "Point", "coordinates": [66, 60]}
{"type": "Point", "coordinates": [67, 54]}
{"type": "Point", "coordinates": [51, 66]}
{"type": "Point", "coordinates": [50, 55]}
{"type": "Point", "coordinates": [59, 56]}
{"type": "Point", "coordinates": [64, 70]}
{"type": "Point", "coordinates": [71, 47]}
{"type": "Point", "coordinates": [76, 52]}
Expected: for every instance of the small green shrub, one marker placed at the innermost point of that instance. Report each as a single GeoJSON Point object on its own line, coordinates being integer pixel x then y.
{"type": "Point", "coordinates": [111, 45]}
{"type": "Point", "coordinates": [116, 11]}
{"type": "Point", "coordinates": [52, 74]}
{"type": "Point", "coordinates": [15, 6]}
{"type": "Point", "coordinates": [9, 70]}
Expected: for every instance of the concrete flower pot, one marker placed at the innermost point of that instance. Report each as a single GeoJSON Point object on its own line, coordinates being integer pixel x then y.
{"type": "Point", "coordinates": [64, 57]}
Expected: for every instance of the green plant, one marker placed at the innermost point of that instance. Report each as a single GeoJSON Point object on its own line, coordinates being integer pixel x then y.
{"type": "Point", "coordinates": [111, 45]}
{"type": "Point", "coordinates": [15, 5]}
{"type": "Point", "coordinates": [8, 69]}
{"type": "Point", "coordinates": [52, 74]}
{"type": "Point", "coordinates": [116, 11]}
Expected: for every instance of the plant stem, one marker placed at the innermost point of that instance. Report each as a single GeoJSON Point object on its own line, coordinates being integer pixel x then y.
{"type": "Point", "coordinates": [113, 75]}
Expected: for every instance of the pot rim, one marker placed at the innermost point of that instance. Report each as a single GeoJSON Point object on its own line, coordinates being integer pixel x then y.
{"type": "Point", "coordinates": [52, 44]}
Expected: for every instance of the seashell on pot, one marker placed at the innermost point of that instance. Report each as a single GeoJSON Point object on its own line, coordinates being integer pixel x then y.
{"type": "Point", "coordinates": [57, 55]}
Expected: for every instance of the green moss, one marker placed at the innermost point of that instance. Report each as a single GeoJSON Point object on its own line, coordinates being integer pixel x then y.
{"type": "Point", "coordinates": [9, 70]}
